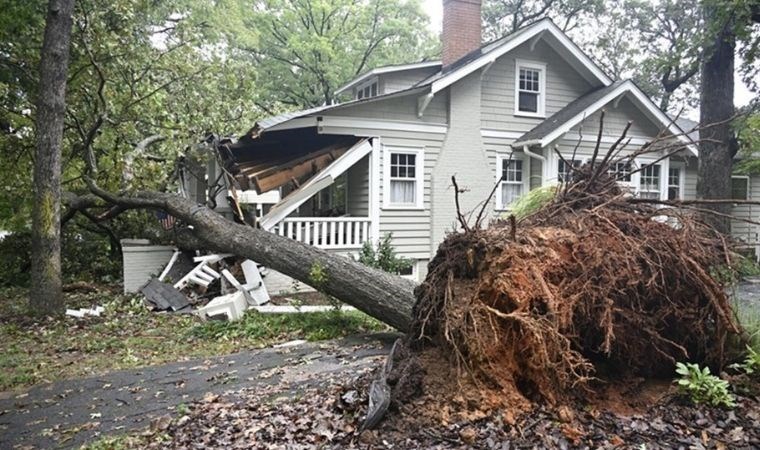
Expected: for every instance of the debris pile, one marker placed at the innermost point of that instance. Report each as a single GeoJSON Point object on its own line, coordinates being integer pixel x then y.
{"type": "Point", "coordinates": [595, 284]}
{"type": "Point", "coordinates": [207, 286]}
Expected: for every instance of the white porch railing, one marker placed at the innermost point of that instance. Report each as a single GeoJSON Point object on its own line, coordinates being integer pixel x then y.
{"type": "Point", "coordinates": [326, 232]}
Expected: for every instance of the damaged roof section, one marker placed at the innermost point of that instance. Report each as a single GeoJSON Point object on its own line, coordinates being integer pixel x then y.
{"type": "Point", "coordinates": [279, 158]}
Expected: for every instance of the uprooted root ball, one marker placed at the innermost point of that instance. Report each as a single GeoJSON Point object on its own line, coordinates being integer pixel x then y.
{"type": "Point", "coordinates": [591, 282]}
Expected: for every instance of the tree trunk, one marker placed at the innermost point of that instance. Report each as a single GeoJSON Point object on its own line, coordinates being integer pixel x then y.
{"type": "Point", "coordinates": [45, 295]}
{"type": "Point", "coordinates": [716, 110]}
{"type": "Point", "coordinates": [386, 297]}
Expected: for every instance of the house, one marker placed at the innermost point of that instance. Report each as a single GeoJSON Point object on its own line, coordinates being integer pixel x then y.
{"type": "Point", "coordinates": [381, 162]}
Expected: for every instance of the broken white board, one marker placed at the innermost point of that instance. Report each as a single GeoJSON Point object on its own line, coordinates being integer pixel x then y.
{"type": "Point", "coordinates": [233, 306]}
{"type": "Point", "coordinates": [201, 274]}
{"type": "Point", "coordinates": [254, 283]}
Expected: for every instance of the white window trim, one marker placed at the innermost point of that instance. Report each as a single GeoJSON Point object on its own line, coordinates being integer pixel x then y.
{"type": "Point", "coordinates": [526, 64]}
{"type": "Point", "coordinates": [412, 276]}
{"type": "Point", "coordinates": [361, 87]}
{"type": "Point", "coordinates": [525, 176]}
{"type": "Point", "coordinates": [419, 176]}
{"type": "Point", "coordinates": [681, 179]}
{"type": "Point", "coordinates": [743, 177]}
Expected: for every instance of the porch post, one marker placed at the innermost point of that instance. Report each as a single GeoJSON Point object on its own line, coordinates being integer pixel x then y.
{"type": "Point", "coordinates": [374, 191]}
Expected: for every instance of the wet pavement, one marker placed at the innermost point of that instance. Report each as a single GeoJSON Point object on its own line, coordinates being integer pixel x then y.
{"type": "Point", "coordinates": [68, 413]}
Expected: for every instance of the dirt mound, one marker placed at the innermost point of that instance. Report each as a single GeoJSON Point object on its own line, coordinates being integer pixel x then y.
{"type": "Point", "coordinates": [594, 284]}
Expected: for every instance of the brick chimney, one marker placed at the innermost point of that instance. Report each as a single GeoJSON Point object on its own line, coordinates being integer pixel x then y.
{"type": "Point", "coordinates": [461, 28]}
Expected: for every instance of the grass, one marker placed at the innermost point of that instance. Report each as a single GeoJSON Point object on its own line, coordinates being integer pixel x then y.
{"type": "Point", "coordinates": [128, 335]}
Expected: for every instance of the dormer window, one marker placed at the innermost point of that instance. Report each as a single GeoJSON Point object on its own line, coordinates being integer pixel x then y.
{"type": "Point", "coordinates": [530, 88]}
{"type": "Point", "coordinates": [366, 90]}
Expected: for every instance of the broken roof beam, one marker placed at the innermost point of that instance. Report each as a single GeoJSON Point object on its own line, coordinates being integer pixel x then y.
{"type": "Point", "coordinates": [301, 169]}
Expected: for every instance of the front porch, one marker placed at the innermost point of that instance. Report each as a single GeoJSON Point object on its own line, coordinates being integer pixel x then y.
{"type": "Point", "coordinates": [318, 195]}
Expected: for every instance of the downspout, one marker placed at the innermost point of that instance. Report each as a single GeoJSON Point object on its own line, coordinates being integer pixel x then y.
{"type": "Point", "coordinates": [542, 158]}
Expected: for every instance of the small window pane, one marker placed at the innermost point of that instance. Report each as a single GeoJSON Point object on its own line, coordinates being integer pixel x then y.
{"type": "Point", "coordinates": [650, 178]}
{"type": "Point", "coordinates": [621, 171]}
{"type": "Point", "coordinates": [510, 193]}
{"type": "Point", "coordinates": [403, 191]}
{"type": "Point", "coordinates": [528, 102]}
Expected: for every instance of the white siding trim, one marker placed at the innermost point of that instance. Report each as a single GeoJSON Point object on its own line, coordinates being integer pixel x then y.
{"type": "Point", "coordinates": [374, 191]}
{"type": "Point", "coordinates": [419, 176]}
{"type": "Point", "coordinates": [378, 124]}
{"type": "Point", "coordinates": [302, 122]}
{"type": "Point", "coordinates": [484, 132]}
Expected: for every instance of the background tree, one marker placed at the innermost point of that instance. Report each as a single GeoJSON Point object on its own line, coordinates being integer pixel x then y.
{"type": "Point", "coordinates": [726, 23]}
{"type": "Point", "coordinates": [304, 49]}
{"type": "Point", "coordinates": [502, 17]}
{"type": "Point", "coordinates": [46, 296]}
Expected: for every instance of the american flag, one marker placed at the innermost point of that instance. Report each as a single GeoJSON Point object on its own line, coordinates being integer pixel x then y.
{"type": "Point", "coordinates": [166, 220]}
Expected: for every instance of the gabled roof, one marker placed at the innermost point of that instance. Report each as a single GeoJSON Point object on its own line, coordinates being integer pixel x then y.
{"type": "Point", "coordinates": [488, 53]}
{"type": "Point", "coordinates": [281, 121]}
{"type": "Point", "coordinates": [386, 69]}
{"type": "Point", "coordinates": [575, 112]}
{"type": "Point", "coordinates": [485, 55]}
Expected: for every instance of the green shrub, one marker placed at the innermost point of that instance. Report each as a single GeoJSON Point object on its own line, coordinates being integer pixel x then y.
{"type": "Point", "coordinates": [15, 259]}
{"type": "Point", "coordinates": [745, 266]}
{"type": "Point", "coordinates": [702, 387]}
{"type": "Point", "coordinates": [751, 363]}
{"type": "Point", "coordinates": [532, 201]}
{"type": "Point", "coordinates": [383, 257]}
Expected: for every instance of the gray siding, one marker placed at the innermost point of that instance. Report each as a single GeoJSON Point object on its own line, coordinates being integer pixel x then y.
{"type": "Point", "coordinates": [615, 120]}
{"type": "Point", "coordinates": [563, 85]}
{"type": "Point", "coordinates": [398, 81]}
{"type": "Point", "coordinates": [398, 108]}
{"type": "Point", "coordinates": [358, 189]}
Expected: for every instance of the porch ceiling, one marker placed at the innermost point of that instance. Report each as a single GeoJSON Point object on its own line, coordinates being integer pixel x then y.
{"type": "Point", "coordinates": [284, 157]}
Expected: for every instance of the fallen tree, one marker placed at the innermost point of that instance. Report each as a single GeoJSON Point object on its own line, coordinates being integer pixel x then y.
{"type": "Point", "coordinates": [384, 296]}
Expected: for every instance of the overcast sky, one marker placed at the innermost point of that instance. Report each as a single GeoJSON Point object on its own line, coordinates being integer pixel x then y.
{"type": "Point", "coordinates": [434, 8]}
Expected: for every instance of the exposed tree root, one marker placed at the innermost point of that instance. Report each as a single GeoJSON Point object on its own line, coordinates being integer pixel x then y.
{"type": "Point", "coordinates": [590, 284]}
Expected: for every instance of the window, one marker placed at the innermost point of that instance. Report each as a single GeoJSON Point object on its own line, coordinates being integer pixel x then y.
{"type": "Point", "coordinates": [530, 88]}
{"type": "Point", "coordinates": [649, 182]}
{"type": "Point", "coordinates": [674, 183]}
{"type": "Point", "coordinates": [739, 188]}
{"type": "Point", "coordinates": [621, 171]}
{"type": "Point", "coordinates": [403, 186]}
{"type": "Point", "coordinates": [512, 182]}
{"type": "Point", "coordinates": [366, 90]}
{"type": "Point", "coordinates": [565, 169]}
